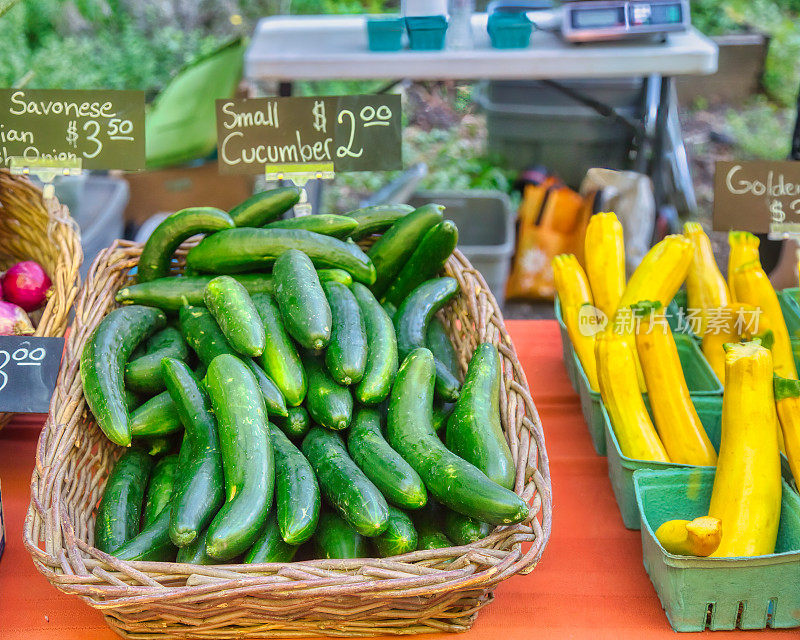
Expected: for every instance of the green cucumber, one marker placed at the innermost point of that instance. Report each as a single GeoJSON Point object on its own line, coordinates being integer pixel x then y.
{"type": "Point", "coordinates": [247, 458]}
{"type": "Point", "coordinates": [344, 485]}
{"type": "Point", "coordinates": [397, 481]}
{"type": "Point", "coordinates": [156, 417]}
{"type": "Point", "coordinates": [170, 294]}
{"type": "Point", "coordinates": [167, 236]}
{"type": "Point", "coordinates": [273, 398]}
{"type": "Point", "coordinates": [464, 530]}
{"type": "Point", "coordinates": [329, 404]}
{"type": "Point", "coordinates": [202, 334]}
{"type": "Point", "coordinates": [298, 498]}
{"type": "Point", "coordinates": [474, 431]}
{"type": "Point", "coordinates": [382, 357]}
{"type": "Point", "coordinates": [426, 262]}
{"type": "Point", "coordinates": [103, 365]}
{"type": "Point", "coordinates": [335, 275]}
{"type": "Point", "coordinates": [453, 481]}
{"type": "Point", "coordinates": [143, 375]}
{"type": "Point", "coordinates": [346, 355]}
{"type": "Point", "coordinates": [305, 310]}
{"type": "Point", "coordinates": [441, 412]}
{"type": "Point", "coordinates": [326, 224]}
{"type": "Point", "coordinates": [438, 341]}
{"type": "Point", "coordinates": [395, 247]}
{"type": "Point", "coordinates": [159, 445]}
{"type": "Point", "coordinates": [280, 359]}
{"type": "Point", "coordinates": [160, 489]}
{"type": "Point", "coordinates": [270, 547]}
{"type": "Point", "coordinates": [296, 424]}
{"type": "Point", "coordinates": [131, 400]}
{"type": "Point", "coordinates": [429, 534]}
{"type": "Point", "coordinates": [151, 544]}
{"type": "Point", "coordinates": [390, 309]}
{"type": "Point", "coordinates": [412, 321]}
{"type": "Point", "coordinates": [337, 540]}
{"type": "Point", "coordinates": [200, 490]}
{"type": "Point", "coordinates": [195, 552]}
{"type": "Point", "coordinates": [120, 509]}
{"type": "Point", "coordinates": [235, 313]}
{"type": "Point", "coordinates": [400, 536]}
{"type": "Point", "coordinates": [377, 218]}
{"type": "Point", "coordinates": [238, 250]}
{"type": "Point", "coordinates": [264, 206]}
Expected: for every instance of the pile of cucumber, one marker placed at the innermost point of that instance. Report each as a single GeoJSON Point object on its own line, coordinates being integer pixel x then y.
{"type": "Point", "coordinates": [293, 393]}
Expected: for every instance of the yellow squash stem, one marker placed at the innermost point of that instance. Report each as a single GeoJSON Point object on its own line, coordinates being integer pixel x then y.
{"type": "Point", "coordinates": [727, 325]}
{"type": "Point", "coordinates": [699, 537]}
{"type": "Point", "coordinates": [677, 422]}
{"type": "Point", "coordinates": [744, 249]}
{"type": "Point", "coordinates": [616, 373]}
{"type": "Point", "coordinates": [746, 496]}
{"type": "Point", "coordinates": [705, 286]}
{"type": "Point", "coordinates": [577, 309]}
{"type": "Point", "coordinates": [754, 288]}
{"type": "Point", "coordinates": [787, 401]}
{"type": "Point", "coordinates": [605, 261]}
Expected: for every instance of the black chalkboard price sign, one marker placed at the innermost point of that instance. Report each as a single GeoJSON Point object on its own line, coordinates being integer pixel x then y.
{"type": "Point", "coordinates": [28, 372]}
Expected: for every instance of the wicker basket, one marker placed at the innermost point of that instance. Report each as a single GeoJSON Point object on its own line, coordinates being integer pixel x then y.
{"type": "Point", "coordinates": [34, 229]}
{"type": "Point", "coordinates": [425, 591]}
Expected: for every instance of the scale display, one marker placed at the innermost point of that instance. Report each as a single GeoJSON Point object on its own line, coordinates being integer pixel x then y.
{"type": "Point", "coordinates": [589, 21]}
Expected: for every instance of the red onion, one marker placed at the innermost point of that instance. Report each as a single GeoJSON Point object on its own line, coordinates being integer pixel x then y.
{"type": "Point", "coordinates": [26, 285]}
{"type": "Point", "coordinates": [13, 320]}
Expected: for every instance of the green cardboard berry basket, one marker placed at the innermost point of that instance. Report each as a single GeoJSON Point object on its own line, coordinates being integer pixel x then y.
{"type": "Point", "coordinates": [790, 305]}
{"type": "Point", "coordinates": [566, 348]}
{"type": "Point", "coordinates": [717, 593]}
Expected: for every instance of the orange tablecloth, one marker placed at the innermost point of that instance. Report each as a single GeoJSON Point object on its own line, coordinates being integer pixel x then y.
{"type": "Point", "coordinates": [590, 583]}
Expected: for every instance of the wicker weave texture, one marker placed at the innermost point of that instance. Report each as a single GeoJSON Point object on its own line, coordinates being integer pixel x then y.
{"type": "Point", "coordinates": [32, 228]}
{"type": "Point", "coordinates": [425, 591]}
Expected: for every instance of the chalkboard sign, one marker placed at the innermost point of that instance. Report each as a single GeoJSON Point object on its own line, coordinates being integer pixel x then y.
{"type": "Point", "coordinates": [346, 133]}
{"type": "Point", "coordinates": [28, 372]}
{"type": "Point", "coordinates": [103, 129]}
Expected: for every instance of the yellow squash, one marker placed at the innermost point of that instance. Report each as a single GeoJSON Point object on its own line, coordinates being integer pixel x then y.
{"type": "Point", "coordinates": [616, 373]}
{"type": "Point", "coordinates": [787, 401]}
{"type": "Point", "coordinates": [699, 537]}
{"type": "Point", "coordinates": [746, 496]}
{"type": "Point", "coordinates": [754, 288]}
{"type": "Point", "coordinates": [705, 286]}
{"type": "Point", "coordinates": [744, 249]}
{"type": "Point", "coordinates": [728, 325]}
{"type": "Point", "coordinates": [661, 272]}
{"type": "Point", "coordinates": [605, 261]}
{"type": "Point", "coordinates": [578, 311]}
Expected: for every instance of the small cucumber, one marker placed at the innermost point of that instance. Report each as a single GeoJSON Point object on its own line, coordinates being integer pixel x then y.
{"type": "Point", "coordinates": [426, 262]}
{"type": "Point", "coordinates": [325, 224]}
{"type": "Point", "coordinates": [160, 489]}
{"type": "Point", "coordinates": [131, 400]}
{"type": "Point", "coordinates": [305, 310]}
{"type": "Point", "coordinates": [441, 412]}
{"type": "Point", "coordinates": [335, 275]}
{"type": "Point", "coordinates": [381, 365]}
{"type": "Point", "coordinates": [270, 547]}
{"type": "Point", "coordinates": [464, 530]}
{"type": "Point", "coordinates": [273, 398]}
{"type": "Point", "coordinates": [195, 552]}
{"type": "Point", "coordinates": [328, 403]}
{"type": "Point", "coordinates": [337, 540]}
{"type": "Point", "coordinates": [103, 366]}
{"type": "Point", "coordinates": [247, 457]}
{"type": "Point", "coordinates": [151, 544]}
{"type": "Point", "coordinates": [200, 490]}
{"type": "Point", "coordinates": [120, 509]}
{"type": "Point", "coordinates": [346, 355]}
{"type": "Point", "coordinates": [296, 424]}
{"type": "Point", "coordinates": [156, 417]}
{"type": "Point", "coordinates": [298, 498]}
{"type": "Point", "coordinates": [474, 431]}
{"type": "Point", "coordinates": [397, 481]}
{"type": "Point", "coordinates": [395, 247]}
{"type": "Point", "coordinates": [159, 445]}
{"type": "Point", "coordinates": [239, 250]}
{"type": "Point", "coordinates": [453, 481]}
{"type": "Point", "coordinates": [412, 321]}
{"type": "Point", "coordinates": [429, 534]}
{"type": "Point", "coordinates": [344, 485]}
{"type": "Point", "coordinates": [438, 341]}
{"type": "Point", "coordinates": [202, 334]}
{"type": "Point", "coordinates": [235, 313]}
{"type": "Point", "coordinates": [377, 218]}
{"type": "Point", "coordinates": [143, 375]}
{"type": "Point", "coordinates": [390, 309]}
{"type": "Point", "coordinates": [157, 252]}
{"type": "Point", "coordinates": [400, 536]}
{"type": "Point", "coordinates": [170, 294]}
{"type": "Point", "coordinates": [280, 359]}
{"type": "Point", "coordinates": [264, 206]}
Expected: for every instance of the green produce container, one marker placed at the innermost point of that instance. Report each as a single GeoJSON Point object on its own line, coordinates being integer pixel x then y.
{"type": "Point", "coordinates": [385, 33]}
{"type": "Point", "coordinates": [717, 593]}
{"type": "Point", "coordinates": [790, 305]}
{"type": "Point", "coordinates": [509, 30]}
{"type": "Point", "coordinates": [566, 348]}
{"type": "Point", "coordinates": [426, 33]}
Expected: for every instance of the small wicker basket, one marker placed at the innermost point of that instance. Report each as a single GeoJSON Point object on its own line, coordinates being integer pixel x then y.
{"type": "Point", "coordinates": [32, 228]}
{"type": "Point", "coordinates": [425, 591]}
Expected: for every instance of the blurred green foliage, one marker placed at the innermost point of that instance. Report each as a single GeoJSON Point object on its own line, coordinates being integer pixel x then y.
{"type": "Point", "coordinates": [762, 130]}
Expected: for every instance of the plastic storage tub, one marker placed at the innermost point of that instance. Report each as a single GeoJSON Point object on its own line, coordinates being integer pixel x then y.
{"type": "Point", "coordinates": [509, 30]}
{"type": "Point", "coordinates": [426, 33]}
{"type": "Point", "coordinates": [385, 33]}
{"type": "Point", "coordinates": [717, 593]}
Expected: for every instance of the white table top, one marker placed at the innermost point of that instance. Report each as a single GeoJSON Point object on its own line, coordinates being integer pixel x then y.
{"type": "Point", "coordinates": [287, 48]}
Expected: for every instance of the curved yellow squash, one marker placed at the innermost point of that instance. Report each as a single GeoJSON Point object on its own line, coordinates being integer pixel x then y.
{"type": "Point", "coordinates": [616, 373]}
{"type": "Point", "coordinates": [744, 248]}
{"type": "Point", "coordinates": [699, 537]}
{"type": "Point", "coordinates": [705, 286]}
{"type": "Point", "coordinates": [661, 272]}
{"type": "Point", "coordinates": [728, 325]}
{"type": "Point", "coordinates": [746, 496]}
{"type": "Point", "coordinates": [605, 261]}
{"type": "Point", "coordinates": [787, 401]}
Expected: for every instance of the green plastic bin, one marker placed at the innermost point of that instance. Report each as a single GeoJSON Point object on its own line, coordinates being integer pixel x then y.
{"type": "Point", "coordinates": [790, 305]}
{"type": "Point", "coordinates": [717, 593]}
{"type": "Point", "coordinates": [426, 33]}
{"type": "Point", "coordinates": [385, 33]}
{"type": "Point", "coordinates": [509, 30]}
{"type": "Point", "coordinates": [566, 348]}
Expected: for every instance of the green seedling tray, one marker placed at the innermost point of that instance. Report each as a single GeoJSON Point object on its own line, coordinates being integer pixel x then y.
{"type": "Point", "coordinates": [717, 593]}
{"type": "Point", "coordinates": [566, 348]}
{"type": "Point", "coordinates": [385, 34]}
